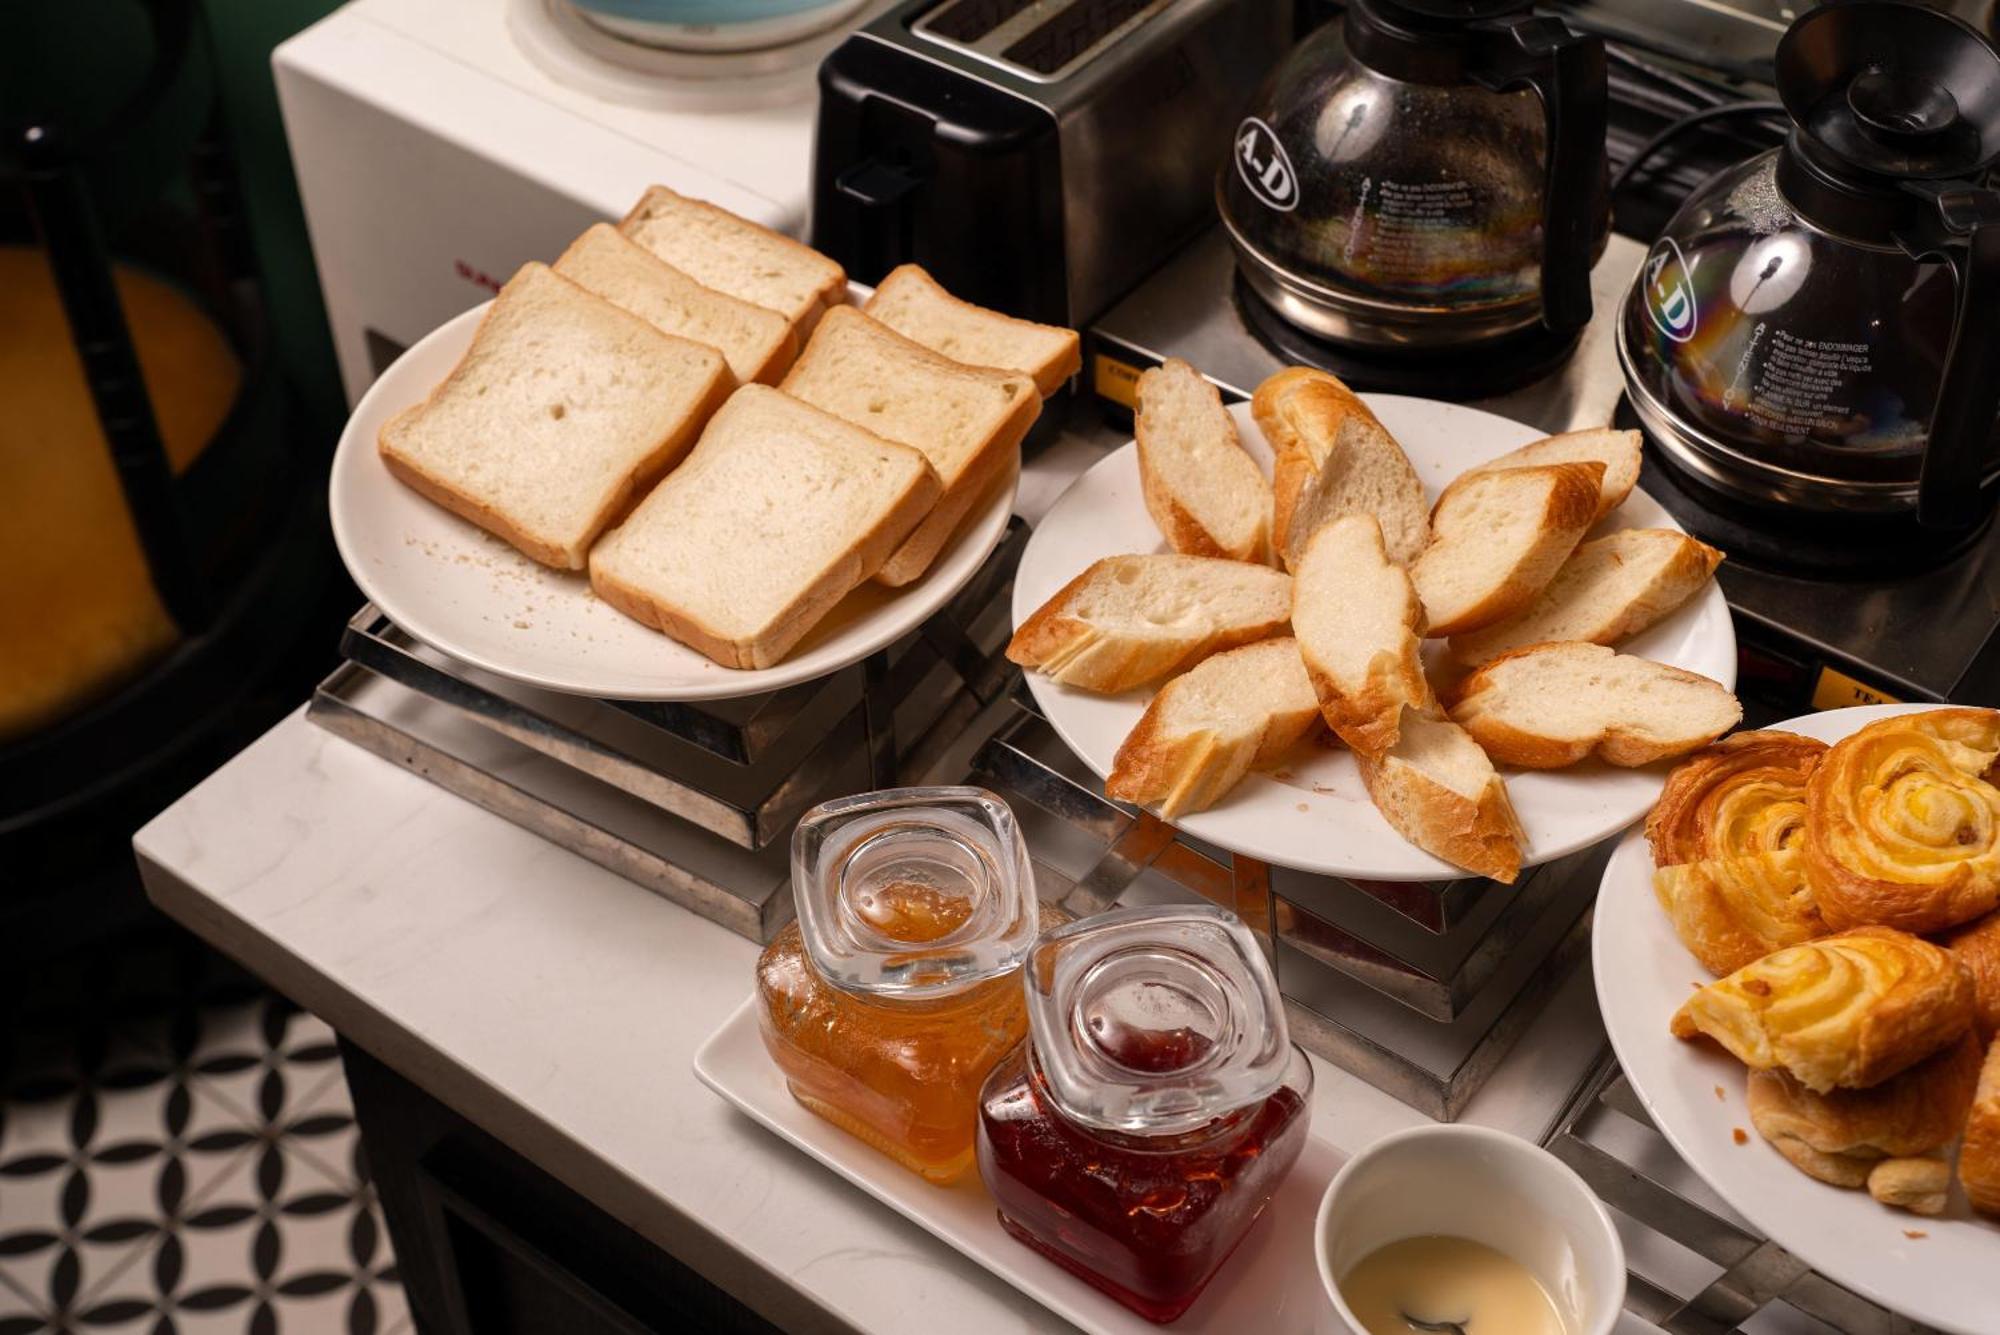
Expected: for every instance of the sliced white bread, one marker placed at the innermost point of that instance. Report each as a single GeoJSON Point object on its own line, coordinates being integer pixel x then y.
{"type": "Point", "coordinates": [734, 255]}
{"type": "Point", "coordinates": [1211, 725]}
{"type": "Point", "coordinates": [1358, 624]}
{"type": "Point", "coordinates": [912, 303]}
{"type": "Point", "coordinates": [563, 410]}
{"type": "Point", "coordinates": [776, 514]}
{"type": "Point", "coordinates": [1610, 588]}
{"type": "Point", "coordinates": [1550, 705]}
{"type": "Point", "coordinates": [1334, 458]}
{"type": "Point", "coordinates": [1129, 620]}
{"type": "Point", "coordinates": [1498, 538]}
{"type": "Point", "coordinates": [967, 420]}
{"type": "Point", "coordinates": [1618, 451]}
{"type": "Point", "coordinates": [757, 342]}
{"type": "Point", "coordinates": [1203, 491]}
{"type": "Point", "coordinates": [1440, 792]}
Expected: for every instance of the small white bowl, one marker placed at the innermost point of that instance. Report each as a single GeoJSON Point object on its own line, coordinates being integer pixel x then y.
{"type": "Point", "coordinates": [1489, 1187]}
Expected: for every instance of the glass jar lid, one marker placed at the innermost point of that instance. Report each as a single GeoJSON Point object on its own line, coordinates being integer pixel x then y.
{"type": "Point", "coordinates": [1155, 1021]}
{"type": "Point", "coordinates": [913, 893]}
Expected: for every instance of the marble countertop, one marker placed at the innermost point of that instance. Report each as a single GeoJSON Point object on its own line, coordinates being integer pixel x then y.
{"type": "Point", "coordinates": [559, 1007]}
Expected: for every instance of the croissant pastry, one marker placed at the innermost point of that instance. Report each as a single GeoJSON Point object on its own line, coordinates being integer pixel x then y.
{"type": "Point", "coordinates": [1889, 1138]}
{"type": "Point", "coordinates": [1979, 1156]}
{"type": "Point", "coordinates": [1902, 827]}
{"type": "Point", "coordinates": [1724, 836]}
{"type": "Point", "coordinates": [1978, 949]}
{"type": "Point", "coordinates": [1845, 1011]}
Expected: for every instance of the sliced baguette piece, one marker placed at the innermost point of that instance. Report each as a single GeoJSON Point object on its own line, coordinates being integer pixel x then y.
{"type": "Point", "coordinates": [757, 342]}
{"type": "Point", "coordinates": [1550, 705]}
{"type": "Point", "coordinates": [1497, 539]}
{"type": "Point", "coordinates": [1359, 624]}
{"type": "Point", "coordinates": [1610, 588]}
{"type": "Point", "coordinates": [1334, 458]}
{"type": "Point", "coordinates": [1130, 620]}
{"type": "Point", "coordinates": [734, 255]}
{"type": "Point", "coordinates": [1439, 790]}
{"type": "Point", "coordinates": [563, 410]}
{"type": "Point", "coordinates": [967, 420]}
{"type": "Point", "coordinates": [1211, 725]}
{"type": "Point", "coordinates": [1204, 492]}
{"type": "Point", "coordinates": [777, 513]}
{"type": "Point", "coordinates": [1618, 451]}
{"type": "Point", "coordinates": [913, 304]}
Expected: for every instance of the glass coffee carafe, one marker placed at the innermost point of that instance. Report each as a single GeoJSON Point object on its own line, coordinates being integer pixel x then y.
{"type": "Point", "coordinates": [1425, 174]}
{"type": "Point", "coordinates": [1818, 329]}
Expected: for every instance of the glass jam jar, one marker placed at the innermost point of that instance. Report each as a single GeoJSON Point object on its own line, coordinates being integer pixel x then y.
{"type": "Point", "coordinates": [894, 993]}
{"type": "Point", "coordinates": [1158, 1102]}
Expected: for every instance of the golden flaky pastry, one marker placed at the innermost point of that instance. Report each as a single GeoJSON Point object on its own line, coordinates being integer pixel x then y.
{"type": "Point", "coordinates": [1979, 1156]}
{"type": "Point", "coordinates": [1977, 946]}
{"type": "Point", "coordinates": [1845, 1011]}
{"type": "Point", "coordinates": [1724, 836]}
{"type": "Point", "coordinates": [1902, 827]}
{"type": "Point", "coordinates": [1889, 1138]}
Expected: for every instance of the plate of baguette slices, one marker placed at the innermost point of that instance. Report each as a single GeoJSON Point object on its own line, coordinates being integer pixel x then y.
{"type": "Point", "coordinates": [688, 460]}
{"type": "Point", "coordinates": [1369, 635]}
{"type": "Point", "coordinates": [1798, 962]}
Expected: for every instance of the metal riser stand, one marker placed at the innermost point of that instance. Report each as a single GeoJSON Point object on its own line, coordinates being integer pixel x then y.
{"type": "Point", "coordinates": [1607, 1137]}
{"type": "Point", "coordinates": [1425, 1016]}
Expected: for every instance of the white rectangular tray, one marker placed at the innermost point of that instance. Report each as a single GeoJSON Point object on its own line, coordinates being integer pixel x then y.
{"type": "Point", "coordinates": [1270, 1286]}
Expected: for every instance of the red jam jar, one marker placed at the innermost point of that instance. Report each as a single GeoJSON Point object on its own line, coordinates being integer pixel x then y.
{"type": "Point", "coordinates": [895, 992]}
{"type": "Point", "coordinates": [1158, 1102]}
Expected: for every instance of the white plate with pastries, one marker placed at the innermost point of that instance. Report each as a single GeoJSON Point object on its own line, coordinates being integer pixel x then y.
{"type": "Point", "coordinates": [1312, 811]}
{"type": "Point", "coordinates": [486, 603]}
{"type": "Point", "coordinates": [1933, 1268]}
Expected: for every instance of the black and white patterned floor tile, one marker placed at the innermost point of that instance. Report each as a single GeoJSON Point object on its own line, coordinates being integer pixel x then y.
{"type": "Point", "coordinates": [178, 1157]}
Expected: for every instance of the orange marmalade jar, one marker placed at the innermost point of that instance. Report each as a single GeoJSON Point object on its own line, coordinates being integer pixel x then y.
{"type": "Point", "coordinates": [897, 989]}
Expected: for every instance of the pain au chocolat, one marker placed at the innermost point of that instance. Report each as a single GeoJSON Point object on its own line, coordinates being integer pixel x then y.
{"type": "Point", "coordinates": [1903, 824]}
{"type": "Point", "coordinates": [1844, 1011]}
{"type": "Point", "coordinates": [1725, 836]}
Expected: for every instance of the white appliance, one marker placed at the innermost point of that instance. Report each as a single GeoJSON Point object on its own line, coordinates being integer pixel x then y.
{"type": "Point", "coordinates": [439, 145]}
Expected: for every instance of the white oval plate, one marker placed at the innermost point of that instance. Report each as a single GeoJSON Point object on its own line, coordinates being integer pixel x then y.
{"type": "Point", "coordinates": [470, 595]}
{"type": "Point", "coordinates": [1943, 1279]}
{"type": "Point", "coordinates": [1313, 813]}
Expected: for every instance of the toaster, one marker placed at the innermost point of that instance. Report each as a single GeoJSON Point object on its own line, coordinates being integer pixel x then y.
{"type": "Point", "coordinates": [1036, 156]}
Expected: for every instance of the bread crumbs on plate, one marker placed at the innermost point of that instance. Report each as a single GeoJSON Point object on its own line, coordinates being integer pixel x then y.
{"type": "Point", "coordinates": [1915, 1233]}
{"type": "Point", "coordinates": [1719, 1095]}
{"type": "Point", "coordinates": [1739, 1135]}
{"type": "Point", "coordinates": [1304, 806]}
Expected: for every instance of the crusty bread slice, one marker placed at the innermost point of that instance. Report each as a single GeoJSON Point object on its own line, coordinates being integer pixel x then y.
{"type": "Point", "coordinates": [912, 303]}
{"type": "Point", "coordinates": [1497, 539]}
{"type": "Point", "coordinates": [1550, 705]}
{"type": "Point", "coordinates": [1209, 726]}
{"type": "Point", "coordinates": [776, 514]}
{"type": "Point", "coordinates": [1358, 624]}
{"type": "Point", "coordinates": [757, 342]}
{"type": "Point", "coordinates": [1334, 458]}
{"type": "Point", "coordinates": [1202, 490]}
{"type": "Point", "coordinates": [1610, 588]}
{"type": "Point", "coordinates": [1129, 620]}
{"type": "Point", "coordinates": [1440, 792]}
{"type": "Point", "coordinates": [562, 411]}
{"type": "Point", "coordinates": [1618, 451]}
{"type": "Point", "coordinates": [967, 420]}
{"type": "Point", "coordinates": [734, 255]}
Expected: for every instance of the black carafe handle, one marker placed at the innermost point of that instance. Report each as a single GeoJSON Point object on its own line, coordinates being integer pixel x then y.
{"type": "Point", "coordinates": [1965, 234]}
{"type": "Point", "coordinates": [1566, 70]}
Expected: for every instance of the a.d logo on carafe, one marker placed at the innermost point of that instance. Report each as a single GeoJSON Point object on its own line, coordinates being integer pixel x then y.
{"type": "Point", "coordinates": [1670, 292]}
{"type": "Point", "coordinates": [1264, 166]}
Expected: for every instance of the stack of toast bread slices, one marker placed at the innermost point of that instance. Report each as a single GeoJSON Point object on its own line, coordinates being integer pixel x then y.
{"type": "Point", "coordinates": [686, 406]}
{"type": "Point", "coordinates": [1498, 569]}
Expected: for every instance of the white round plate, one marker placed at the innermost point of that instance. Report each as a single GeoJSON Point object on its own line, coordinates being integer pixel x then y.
{"type": "Point", "coordinates": [470, 595]}
{"type": "Point", "coordinates": [1313, 813]}
{"type": "Point", "coordinates": [1694, 1093]}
